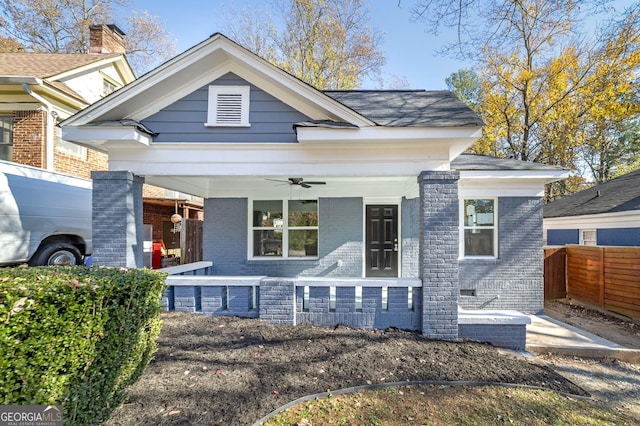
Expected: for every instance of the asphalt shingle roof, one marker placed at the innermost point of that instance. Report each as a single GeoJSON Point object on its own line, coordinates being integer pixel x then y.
{"type": "Point", "coordinates": [47, 65]}
{"type": "Point", "coordinates": [44, 65]}
{"type": "Point", "coordinates": [485, 162]}
{"type": "Point", "coordinates": [413, 108]}
{"type": "Point", "coordinates": [617, 195]}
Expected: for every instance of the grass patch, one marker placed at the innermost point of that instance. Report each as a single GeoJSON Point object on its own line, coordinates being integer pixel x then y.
{"type": "Point", "coordinates": [437, 405]}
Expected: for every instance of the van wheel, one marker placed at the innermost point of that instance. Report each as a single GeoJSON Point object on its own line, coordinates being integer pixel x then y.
{"type": "Point", "coordinates": [56, 254]}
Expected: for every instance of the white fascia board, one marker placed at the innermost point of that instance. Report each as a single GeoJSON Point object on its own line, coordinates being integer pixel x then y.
{"type": "Point", "coordinates": [446, 135]}
{"type": "Point", "coordinates": [505, 183]}
{"type": "Point", "coordinates": [548, 176]}
{"type": "Point", "coordinates": [276, 160]}
{"type": "Point", "coordinates": [500, 188]}
{"type": "Point", "coordinates": [628, 219]}
{"type": "Point", "coordinates": [104, 137]}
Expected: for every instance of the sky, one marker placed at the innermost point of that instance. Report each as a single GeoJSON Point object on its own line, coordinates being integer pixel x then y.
{"type": "Point", "coordinates": [409, 50]}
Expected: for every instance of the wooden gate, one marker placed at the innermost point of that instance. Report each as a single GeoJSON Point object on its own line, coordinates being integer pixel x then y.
{"type": "Point", "coordinates": [554, 273]}
{"type": "Point", "coordinates": [191, 240]}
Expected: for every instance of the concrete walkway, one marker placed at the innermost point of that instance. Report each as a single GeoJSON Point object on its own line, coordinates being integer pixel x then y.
{"type": "Point", "coordinates": [548, 335]}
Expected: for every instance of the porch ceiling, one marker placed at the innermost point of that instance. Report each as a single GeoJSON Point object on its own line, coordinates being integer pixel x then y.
{"type": "Point", "coordinates": [277, 187]}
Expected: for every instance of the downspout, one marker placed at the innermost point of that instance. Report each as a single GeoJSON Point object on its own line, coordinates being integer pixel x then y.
{"type": "Point", "coordinates": [51, 114]}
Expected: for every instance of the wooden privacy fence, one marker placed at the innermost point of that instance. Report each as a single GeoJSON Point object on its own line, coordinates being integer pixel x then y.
{"type": "Point", "coordinates": [608, 277]}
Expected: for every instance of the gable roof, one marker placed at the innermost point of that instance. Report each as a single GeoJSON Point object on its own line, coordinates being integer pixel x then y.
{"type": "Point", "coordinates": [202, 64]}
{"type": "Point", "coordinates": [409, 108]}
{"type": "Point", "coordinates": [617, 195]}
{"type": "Point", "coordinates": [52, 66]}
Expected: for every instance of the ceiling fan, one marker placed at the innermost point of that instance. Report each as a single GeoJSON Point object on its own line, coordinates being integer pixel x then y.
{"type": "Point", "coordinates": [299, 181]}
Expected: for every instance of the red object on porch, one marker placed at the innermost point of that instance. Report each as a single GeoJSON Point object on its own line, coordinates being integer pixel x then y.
{"type": "Point", "coordinates": [156, 255]}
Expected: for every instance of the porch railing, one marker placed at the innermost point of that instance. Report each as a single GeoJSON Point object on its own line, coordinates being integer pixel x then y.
{"type": "Point", "coordinates": [357, 302]}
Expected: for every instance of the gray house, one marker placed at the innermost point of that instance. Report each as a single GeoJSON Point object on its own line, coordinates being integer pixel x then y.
{"type": "Point", "coordinates": [607, 214]}
{"type": "Point", "coordinates": [355, 207]}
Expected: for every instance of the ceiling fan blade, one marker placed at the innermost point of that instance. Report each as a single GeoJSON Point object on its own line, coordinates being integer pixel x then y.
{"type": "Point", "coordinates": [304, 185]}
{"type": "Point", "coordinates": [315, 183]}
{"type": "Point", "coordinates": [278, 180]}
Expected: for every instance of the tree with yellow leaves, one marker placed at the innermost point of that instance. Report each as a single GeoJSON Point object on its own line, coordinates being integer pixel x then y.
{"type": "Point", "coordinates": [550, 93]}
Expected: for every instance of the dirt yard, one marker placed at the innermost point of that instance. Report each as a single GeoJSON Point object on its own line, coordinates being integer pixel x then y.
{"type": "Point", "coordinates": [216, 370]}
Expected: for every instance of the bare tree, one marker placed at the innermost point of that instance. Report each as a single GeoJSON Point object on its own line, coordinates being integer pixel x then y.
{"type": "Point", "coordinates": [326, 43]}
{"type": "Point", "coordinates": [63, 26]}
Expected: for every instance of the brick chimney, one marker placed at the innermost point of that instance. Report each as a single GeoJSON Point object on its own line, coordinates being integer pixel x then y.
{"type": "Point", "coordinates": [106, 39]}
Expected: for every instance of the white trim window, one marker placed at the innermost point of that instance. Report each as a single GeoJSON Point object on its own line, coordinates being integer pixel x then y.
{"type": "Point", "coordinates": [6, 137]}
{"type": "Point", "coordinates": [228, 106]}
{"type": "Point", "coordinates": [588, 237]}
{"type": "Point", "coordinates": [284, 229]}
{"type": "Point", "coordinates": [479, 230]}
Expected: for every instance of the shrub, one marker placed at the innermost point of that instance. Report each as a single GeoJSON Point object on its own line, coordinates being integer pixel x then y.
{"type": "Point", "coordinates": [76, 336]}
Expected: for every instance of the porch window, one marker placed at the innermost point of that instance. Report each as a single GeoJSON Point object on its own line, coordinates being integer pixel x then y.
{"type": "Point", "coordinates": [285, 229]}
{"type": "Point", "coordinates": [479, 233]}
{"type": "Point", "coordinates": [228, 106]}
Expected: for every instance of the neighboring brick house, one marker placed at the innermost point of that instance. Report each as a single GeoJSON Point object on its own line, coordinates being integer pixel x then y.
{"type": "Point", "coordinates": [353, 207]}
{"type": "Point", "coordinates": [38, 90]}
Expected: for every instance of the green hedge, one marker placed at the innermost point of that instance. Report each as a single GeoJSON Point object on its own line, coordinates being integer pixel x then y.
{"type": "Point", "coordinates": [76, 336]}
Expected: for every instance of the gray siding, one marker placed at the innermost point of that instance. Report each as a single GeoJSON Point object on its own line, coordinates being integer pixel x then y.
{"type": "Point", "coordinates": [514, 280]}
{"type": "Point", "coordinates": [340, 245]}
{"type": "Point", "coordinates": [183, 121]}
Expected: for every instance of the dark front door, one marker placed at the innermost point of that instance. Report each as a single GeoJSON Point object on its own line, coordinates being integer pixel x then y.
{"type": "Point", "coordinates": [382, 241]}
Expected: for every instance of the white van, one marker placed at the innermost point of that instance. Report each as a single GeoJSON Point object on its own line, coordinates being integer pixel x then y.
{"type": "Point", "coordinates": [45, 217]}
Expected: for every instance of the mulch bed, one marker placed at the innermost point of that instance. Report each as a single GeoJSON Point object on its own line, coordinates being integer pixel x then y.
{"type": "Point", "coordinates": [225, 370]}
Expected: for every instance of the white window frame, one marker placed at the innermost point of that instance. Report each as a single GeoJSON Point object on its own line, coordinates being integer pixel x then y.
{"type": "Point", "coordinates": [212, 107]}
{"type": "Point", "coordinates": [463, 227]}
{"type": "Point", "coordinates": [285, 231]}
{"type": "Point", "coordinates": [588, 242]}
{"type": "Point", "coordinates": [8, 120]}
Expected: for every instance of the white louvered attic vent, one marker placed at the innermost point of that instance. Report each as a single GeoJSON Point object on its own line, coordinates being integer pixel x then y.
{"type": "Point", "coordinates": [228, 106]}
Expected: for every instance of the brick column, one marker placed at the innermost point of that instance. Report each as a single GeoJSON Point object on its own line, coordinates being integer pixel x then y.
{"type": "Point", "coordinates": [117, 219]}
{"type": "Point", "coordinates": [439, 253]}
{"type": "Point", "coordinates": [277, 301]}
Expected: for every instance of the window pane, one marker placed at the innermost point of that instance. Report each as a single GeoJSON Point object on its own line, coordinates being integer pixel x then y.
{"type": "Point", "coordinates": [267, 213]}
{"type": "Point", "coordinates": [478, 242]}
{"type": "Point", "coordinates": [267, 243]}
{"type": "Point", "coordinates": [6, 134]}
{"type": "Point", "coordinates": [478, 212]}
{"type": "Point", "coordinates": [303, 213]}
{"type": "Point", "coordinates": [303, 242]}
